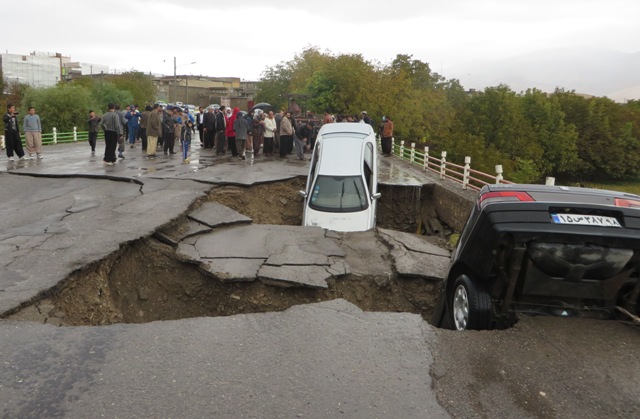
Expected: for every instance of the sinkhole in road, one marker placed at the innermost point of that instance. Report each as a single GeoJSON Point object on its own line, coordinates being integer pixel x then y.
{"type": "Point", "coordinates": [146, 281]}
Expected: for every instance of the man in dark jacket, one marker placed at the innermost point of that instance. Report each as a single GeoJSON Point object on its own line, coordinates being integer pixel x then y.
{"type": "Point", "coordinates": [112, 125]}
{"type": "Point", "coordinates": [221, 125]}
{"type": "Point", "coordinates": [93, 122]}
{"type": "Point", "coordinates": [12, 133]}
{"type": "Point", "coordinates": [209, 128]}
{"type": "Point", "coordinates": [168, 131]}
{"type": "Point", "coordinates": [200, 124]}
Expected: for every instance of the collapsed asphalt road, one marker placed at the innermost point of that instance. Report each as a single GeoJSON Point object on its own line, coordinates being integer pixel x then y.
{"type": "Point", "coordinates": [68, 221]}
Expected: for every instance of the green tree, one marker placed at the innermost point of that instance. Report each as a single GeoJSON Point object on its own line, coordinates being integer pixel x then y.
{"type": "Point", "coordinates": [608, 137]}
{"type": "Point", "coordinates": [274, 85]}
{"type": "Point", "coordinates": [557, 138]}
{"type": "Point", "coordinates": [63, 106]}
{"type": "Point", "coordinates": [420, 74]}
{"type": "Point", "coordinates": [104, 93]}
{"type": "Point", "coordinates": [13, 93]}
{"type": "Point", "coordinates": [138, 84]}
{"type": "Point", "coordinates": [497, 115]}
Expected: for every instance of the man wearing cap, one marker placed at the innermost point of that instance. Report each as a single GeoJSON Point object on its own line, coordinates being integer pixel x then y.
{"type": "Point", "coordinates": [365, 118]}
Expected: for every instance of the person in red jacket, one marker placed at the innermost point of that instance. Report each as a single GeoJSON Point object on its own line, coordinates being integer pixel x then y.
{"type": "Point", "coordinates": [231, 133]}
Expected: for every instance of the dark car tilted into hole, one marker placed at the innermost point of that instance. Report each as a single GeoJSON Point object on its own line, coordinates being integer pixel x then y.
{"type": "Point", "coordinates": [538, 249]}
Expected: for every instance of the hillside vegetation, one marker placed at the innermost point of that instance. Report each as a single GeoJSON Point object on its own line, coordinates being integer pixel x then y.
{"type": "Point", "coordinates": [531, 133]}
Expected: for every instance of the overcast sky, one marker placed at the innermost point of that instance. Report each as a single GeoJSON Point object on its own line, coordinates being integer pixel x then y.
{"type": "Point", "coordinates": [242, 38]}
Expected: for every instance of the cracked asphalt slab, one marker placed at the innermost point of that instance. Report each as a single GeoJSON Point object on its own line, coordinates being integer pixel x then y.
{"type": "Point", "coordinates": [319, 360]}
{"type": "Point", "coordinates": [50, 227]}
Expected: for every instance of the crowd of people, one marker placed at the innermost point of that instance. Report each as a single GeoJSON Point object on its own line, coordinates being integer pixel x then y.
{"type": "Point", "coordinates": [222, 129]}
{"type": "Point", "coordinates": [230, 130]}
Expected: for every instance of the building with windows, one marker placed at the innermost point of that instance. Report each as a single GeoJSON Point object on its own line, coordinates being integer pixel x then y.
{"type": "Point", "coordinates": [204, 91]}
{"type": "Point", "coordinates": [40, 69]}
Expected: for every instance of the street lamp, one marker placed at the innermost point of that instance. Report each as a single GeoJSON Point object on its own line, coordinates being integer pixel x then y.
{"type": "Point", "coordinates": [175, 78]}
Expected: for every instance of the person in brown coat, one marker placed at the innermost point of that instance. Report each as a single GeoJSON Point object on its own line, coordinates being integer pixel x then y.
{"type": "Point", "coordinates": [387, 134]}
{"type": "Point", "coordinates": [142, 131]}
{"type": "Point", "coordinates": [154, 130]}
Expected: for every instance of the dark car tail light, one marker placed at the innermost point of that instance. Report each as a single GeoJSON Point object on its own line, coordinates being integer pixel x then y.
{"type": "Point", "coordinates": [626, 202]}
{"type": "Point", "coordinates": [503, 196]}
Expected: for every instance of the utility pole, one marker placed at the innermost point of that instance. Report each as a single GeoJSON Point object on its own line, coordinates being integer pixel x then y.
{"type": "Point", "coordinates": [175, 80]}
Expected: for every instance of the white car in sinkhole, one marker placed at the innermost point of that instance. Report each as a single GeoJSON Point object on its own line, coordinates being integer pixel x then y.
{"type": "Point", "coordinates": [342, 186]}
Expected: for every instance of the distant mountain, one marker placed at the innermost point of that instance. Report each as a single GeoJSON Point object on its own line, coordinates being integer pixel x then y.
{"type": "Point", "coordinates": [597, 72]}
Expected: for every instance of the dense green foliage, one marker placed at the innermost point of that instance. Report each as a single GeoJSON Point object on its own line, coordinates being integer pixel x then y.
{"type": "Point", "coordinates": [532, 134]}
{"type": "Point", "coordinates": [67, 104]}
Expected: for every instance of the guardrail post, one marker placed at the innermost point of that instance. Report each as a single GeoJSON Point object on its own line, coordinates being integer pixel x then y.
{"type": "Point", "coordinates": [55, 135]}
{"type": "Point", "coordinates": [75, 134]}
{"type": "Point", "coordinates": [413, 152]}
{"type": "Point", "coordinates": [499, 177]}
{"type": "Point", "coordinates": [467, 170]}
{"type": "Point", "coordinates": [443, 164]}
{"type": "Point", "coordinates": [402, 149]}
{"type": "Point", "coordinates": [426, 158]}
{"type": "Point", "coordinates": [393, 145]}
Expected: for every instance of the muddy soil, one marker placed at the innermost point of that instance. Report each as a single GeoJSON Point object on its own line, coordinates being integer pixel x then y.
{"type": "Point", "coordinates": [145, 281]}
{"type": "Point", "coordinates": [273, 203]}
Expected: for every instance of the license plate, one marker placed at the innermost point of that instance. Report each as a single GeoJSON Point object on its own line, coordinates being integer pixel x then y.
{"type": "Point", "coordinates": [585, 220]}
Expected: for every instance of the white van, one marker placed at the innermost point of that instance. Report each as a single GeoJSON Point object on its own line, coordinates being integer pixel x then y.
{"type": "Point", "coordinates": [342, 186]}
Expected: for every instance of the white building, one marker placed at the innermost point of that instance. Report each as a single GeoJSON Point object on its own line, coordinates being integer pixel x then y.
{"type": "Point", "coordinates": [44, 69]}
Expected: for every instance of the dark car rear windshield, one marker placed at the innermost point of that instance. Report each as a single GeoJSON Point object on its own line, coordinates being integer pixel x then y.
{"type": "Point", "coordinates": [339, 194]}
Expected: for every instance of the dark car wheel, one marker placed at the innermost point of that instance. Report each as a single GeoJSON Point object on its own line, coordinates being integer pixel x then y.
{"type": "Point", "coordinates": [470, 305]}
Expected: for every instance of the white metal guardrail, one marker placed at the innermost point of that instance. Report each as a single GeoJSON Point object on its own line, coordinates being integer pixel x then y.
{"type": "Point", "coordinates": [469, 178]}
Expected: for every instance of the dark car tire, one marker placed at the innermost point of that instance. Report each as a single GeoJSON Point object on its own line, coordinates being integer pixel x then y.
{"type": "Point", "coordinates": [470, 305]}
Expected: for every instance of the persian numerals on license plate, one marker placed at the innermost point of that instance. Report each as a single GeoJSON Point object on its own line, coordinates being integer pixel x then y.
{"type": "Point", "coordinates": [585, 220]}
